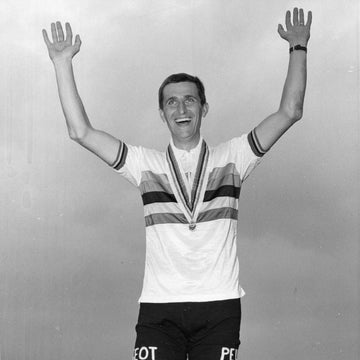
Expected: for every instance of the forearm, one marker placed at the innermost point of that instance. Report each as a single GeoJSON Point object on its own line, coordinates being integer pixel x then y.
{"type": "Point", "coordinates": [291, 105]}
{"type": "Point", "coordinates": [61, 52]}
{"type": "Point", "coordinates": [292, 99]}
{"type": "Point", "coordinates": [77, 121]}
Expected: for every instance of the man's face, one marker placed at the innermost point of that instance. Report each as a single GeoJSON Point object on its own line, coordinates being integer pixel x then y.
{"type": "Point", "coordinates": [182, 111]}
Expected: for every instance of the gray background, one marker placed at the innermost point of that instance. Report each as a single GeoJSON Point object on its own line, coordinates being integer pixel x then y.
{"type": "Point", "coordinates": [72, 237]}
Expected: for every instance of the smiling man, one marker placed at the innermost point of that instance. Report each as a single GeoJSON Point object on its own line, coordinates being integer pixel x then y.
{"type": "Point", "coordinates": [190, 301]}
{"type": "Point", "coordinates": [182, 109]}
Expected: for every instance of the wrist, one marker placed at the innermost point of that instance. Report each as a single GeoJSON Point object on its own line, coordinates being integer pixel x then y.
{"type": "Point", "coordinates": [59, 62]}
{"type": "Point", "coordinates": [298, 47]}
{"type": "Point", "coordinates": [302, 42]}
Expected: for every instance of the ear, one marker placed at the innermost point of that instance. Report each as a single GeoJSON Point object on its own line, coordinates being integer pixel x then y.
{"type": "Point", "coordinates": [205, 109]}
{"type": "Point", "coordinates": [162, 115]}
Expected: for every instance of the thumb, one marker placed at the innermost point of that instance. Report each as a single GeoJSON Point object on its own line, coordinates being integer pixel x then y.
{"type": "Point", "coordinates": [77, 42]}
{"type": "Point", "coordinates": [281, 30]}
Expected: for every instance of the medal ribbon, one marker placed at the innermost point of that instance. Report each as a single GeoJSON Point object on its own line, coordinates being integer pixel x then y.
{"type": "Point", "coordinates": [190, 201]}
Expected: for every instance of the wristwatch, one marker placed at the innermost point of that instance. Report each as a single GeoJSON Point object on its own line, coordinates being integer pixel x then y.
{"type": "Point", "coordinates": [297, 47]}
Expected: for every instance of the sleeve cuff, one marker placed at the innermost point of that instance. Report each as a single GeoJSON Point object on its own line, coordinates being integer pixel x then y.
{"type": "Point", "coordinates": [121, 157]}
{"type": "Point", "coordinates": [254, 144]}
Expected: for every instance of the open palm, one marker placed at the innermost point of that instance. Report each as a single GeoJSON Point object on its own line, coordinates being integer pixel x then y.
{"type": "Point", "coordinates": [62, 47]}
{"type": "Point", "coordinates": [297, 31]}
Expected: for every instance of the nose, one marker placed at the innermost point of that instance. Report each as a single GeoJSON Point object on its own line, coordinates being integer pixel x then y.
{"type": "Point", "coordinates": [182, 107]}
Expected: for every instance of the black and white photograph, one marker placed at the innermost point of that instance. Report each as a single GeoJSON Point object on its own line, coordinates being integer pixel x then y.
{"type": "Point", "coordinates": [179, 180]}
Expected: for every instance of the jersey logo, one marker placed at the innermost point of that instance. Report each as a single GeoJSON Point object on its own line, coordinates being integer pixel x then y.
{"type": "Point", "coordinates": [229, 353]}
{"type": "Point", "coordinates": [145, 353]}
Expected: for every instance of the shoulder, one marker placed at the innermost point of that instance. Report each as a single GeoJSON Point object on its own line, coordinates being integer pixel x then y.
{"type": "Point", "coordinates": [228, 147]}
{"type": "Point", "coordinates": [146, 158]}
{"type": "Point", "coordinates": [144, 152]}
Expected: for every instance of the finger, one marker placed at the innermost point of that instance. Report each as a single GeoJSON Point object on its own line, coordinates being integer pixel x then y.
{"type": "Point", "coordinates": [77, 43]}
{"type": "Point", "coordinates": [288, 20]}
{"type": "Point", "coordinates": [281, 30]}
{"type": "Point", "coordinates": [60, 31]}
{"type": "Point", "coordinates": [309, 19]}
{"type": "Point", "coordinates": [53, 33]}
{"type": "Point", "coordinates": [46, 38]}
{"type": "Point", "coordinates": [301, 19]}
{"type": "Point", "coordinates": [69, 34]}
{"type": "Point", "coordinates": [296, 16]}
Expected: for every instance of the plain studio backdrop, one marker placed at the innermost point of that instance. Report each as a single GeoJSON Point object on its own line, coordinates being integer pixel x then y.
{"type": "Point", "coordinates": [72, 244]}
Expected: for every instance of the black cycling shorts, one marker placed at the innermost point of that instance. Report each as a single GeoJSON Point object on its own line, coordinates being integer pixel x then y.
{"type": "Point", "coordinates": [200, 330]}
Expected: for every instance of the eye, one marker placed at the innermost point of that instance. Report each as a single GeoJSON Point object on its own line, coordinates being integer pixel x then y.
{"type": "Point", "coordinates": [171, 102]}
{"type": "Point", "coordinates": [190, 100]}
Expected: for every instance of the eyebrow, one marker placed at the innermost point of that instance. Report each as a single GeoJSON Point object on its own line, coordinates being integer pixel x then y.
{"type": "Point", "coordinates": [185, 97]}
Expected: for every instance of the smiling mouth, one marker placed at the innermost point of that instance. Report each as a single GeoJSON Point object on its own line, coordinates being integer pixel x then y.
{"type": "Point", "coordinates": [182, 120]}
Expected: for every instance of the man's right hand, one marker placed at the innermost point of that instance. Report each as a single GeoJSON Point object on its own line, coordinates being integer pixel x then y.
{"type": "Point", "coordinates": [61, 48]}
{"type": "Point", "coordinates": [61, 51]}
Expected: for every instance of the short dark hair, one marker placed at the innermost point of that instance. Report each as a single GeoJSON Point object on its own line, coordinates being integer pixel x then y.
{"type": "Point", "coordinates": [181, 77]}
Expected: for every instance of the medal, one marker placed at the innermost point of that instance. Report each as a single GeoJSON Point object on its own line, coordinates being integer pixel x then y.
{"type": "Point", "coordinates": [192, 226]}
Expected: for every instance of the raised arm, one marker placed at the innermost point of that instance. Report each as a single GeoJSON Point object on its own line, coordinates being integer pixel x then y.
{"type": "Point", "coordinates": [61, 52]}
{"type": "Point", "coordinates": [292, 100]}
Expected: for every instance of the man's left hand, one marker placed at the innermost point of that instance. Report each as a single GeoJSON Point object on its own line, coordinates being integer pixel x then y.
{"type": "Point", "coordinates": [297, 32]}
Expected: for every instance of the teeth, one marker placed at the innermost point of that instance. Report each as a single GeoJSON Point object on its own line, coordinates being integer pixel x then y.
{"type": "Point", "coordinates": [182, 120]}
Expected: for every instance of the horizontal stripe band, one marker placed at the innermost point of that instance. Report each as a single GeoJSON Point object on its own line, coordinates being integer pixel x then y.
{"type": "Point", "coordinates": [210, 215]}
{"type": "Point", "coordinates": [173, 207]}
{"type": "Point", "coordinates": [151, 181]}
{"type": "Point", "coordinates": [161, 196]}
{"type": "Point", "coordinates": [227, 175]}
{"type": "Point", "coordinates": [227, 190]}
{"type": "Point", "coordinates": [219, 202]}
{"type": "Point", "coordinates": [155, 219]}
{"type": "Point", "coordinates": [216, 214]}
{"type": "Point", "coordinates": [162, 208]}
{"type": "Point", "coordinates": [157, 196]}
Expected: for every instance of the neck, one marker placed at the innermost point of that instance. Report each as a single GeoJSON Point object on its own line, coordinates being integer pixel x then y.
{"type": "Point", "coordinates": [186, 144]}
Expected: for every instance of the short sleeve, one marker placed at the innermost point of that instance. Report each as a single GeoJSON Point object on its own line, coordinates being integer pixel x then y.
{"type": "Point", "coordinates": [247, 153]}
{"type": "Point", "coordinates": [128, 162]}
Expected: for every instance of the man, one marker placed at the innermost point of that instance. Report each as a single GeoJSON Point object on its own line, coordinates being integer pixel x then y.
{"type": "Point", "coordinates": [190, 302]}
